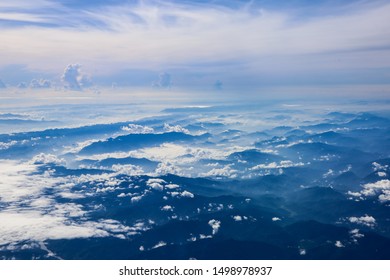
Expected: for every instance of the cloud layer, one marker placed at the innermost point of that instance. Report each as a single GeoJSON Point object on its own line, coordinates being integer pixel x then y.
{"type": "Point", "coordinates": [245, 41]}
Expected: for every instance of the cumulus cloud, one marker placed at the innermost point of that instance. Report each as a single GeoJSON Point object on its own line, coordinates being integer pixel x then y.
{"type": "Point", "coordinates": [226, 171]}
{"type": "Point", "coordinates": [167, 208]}
{"type": "Point", "coordinates": [172, 186]}
{"type": "Point", "coordinates": [380, 188]}
{"type": "Point", "coordinates": [74, 79]}
{"type": "Point", "coordinates": [355, 234]}
{"type": "Point", "coordinates": [175, 128]}
{"type": "Point", "coordinates": [384, 197]}
{"type": "Point", "coordinates": [237, 218]}
{"type": "Point", "coordinates": [136, 198]}
{"type": "Point", "coordinates": [167, 168]}
{"type": "Point", "coordinates": [275, 219]}
{"type": "Point", "coordinates": [128, 169]}
{"type": "Point", "coordinates": [42, 83]}
{"type": "Point", "coordinates": [43, 158]}
{"type": "Point", "coordinates": [339, 244]}
{"type": "Point", "coordinates": [365, 220]}
{"type": "Point", "coordinates": [7, 145]}
{"type": "Point", "coordinates": [137, 129]}
{"type": "Point", "coordinates": [378, 167]}
{"type": "Point", "coordinates": [187, 194]}
{"type": "Point", "coordinates": [156, 184]}
{"type": "Point", "coordinates": [215, 225]}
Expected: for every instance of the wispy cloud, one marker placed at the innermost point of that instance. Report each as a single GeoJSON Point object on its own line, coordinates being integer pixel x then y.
{"type": "Point", "coordinates": [161, 35]}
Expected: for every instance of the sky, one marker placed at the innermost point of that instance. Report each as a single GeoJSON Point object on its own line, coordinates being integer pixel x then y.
{"type": "Point", "coordinates": [214, 45]}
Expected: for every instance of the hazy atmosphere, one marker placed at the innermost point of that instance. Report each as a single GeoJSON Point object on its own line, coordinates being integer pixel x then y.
{"type": "Point", "coordinates": [194, 129]}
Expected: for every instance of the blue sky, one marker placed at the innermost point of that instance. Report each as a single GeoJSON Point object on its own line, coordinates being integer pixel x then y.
{"type": "Point", "coordinates": [243, 44]}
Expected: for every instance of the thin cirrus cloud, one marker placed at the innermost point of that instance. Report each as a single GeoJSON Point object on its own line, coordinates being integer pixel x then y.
{"type": "Point", "coordinates": [250, 38]}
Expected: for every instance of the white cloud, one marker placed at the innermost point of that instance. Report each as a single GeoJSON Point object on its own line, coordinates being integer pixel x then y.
{"type": "Point", "coordinates": [30, 213]}
{"type": "Point", "coordinates": [136, 198]}
{"type": "Point", "coordinates": [155, 180]}
{"type": "Point", "coordinates": [355, 234]}
{"type": "Point", "coordinates": [7, 145]}
{"type": "Point", "coordinates": [128, 169]}
{"type": "Point", "coordinates": [175, 194]}
{"type": "Point", "coordinates": [18, 183]}
{"type": "Point", "coordinates": [74, 79]}
{"type": "Point", "coordinates": [225, 171]}
{"type": "Point", "coordinates": [40, 83]}
{"type": "Point", "coordinates": [34, 226]}
{"type": "Point", "coordinates": [124, 194]}
{"type": "Point", "coordinates": [192, 239]}
{"type": "Point", "coordinates": [187, 194]}
{"type": "Point", "coordinates": [159, 244]}
{"type": "Point", "coordinates": [274, 165]}
{"type": "Point", "coordinates": [377, 166]}
{"type": "Point", "coordinates": [175, 128]}
{"type": "Point", "coordinates": [354, 194]}
{"type": "Point", "coordinates": [338, 244]}
{"type": "Point", "coordinates": [70, 195]}
{"type": "Point", "coordinates": [167, 208]}
{"type": "Point", "coordinates": [168, 153]}
{"type": "Point", "coordinates": [164, 152]}
{"type": "Point", "coordinates": [173, 158]}
{"type": "Point", "coordinates": [381, 188]}
{"type": "Point", "coordinates": [202, 33]}
{"type": "Point", "coordinates": [329, 173]}
{"type": "Point", "coordinates": [203, 236]}
{"type": "Point", "coordinates": [384, 197]}
{"type": "Point", "coordinates": [365, 220]}
{"type": "Point", "coordinates": [137, 129]}
{"type": "Point", "coordinates": [275, 219]}
{"type": "Point", "coordinates": [156, 184]}
{"type": "Point", "coordinates": [172, 186]}
{"type": "Point", "coordinates": [237, 218]}
{"type": "Point", "coordinates": [215, 225]}
{"type": "Point", "coordinates": [68, 210]}
{"type": "Point", "coordinates": [168, 168]}
{"type": "Point", "coordinates": [43, 158]}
